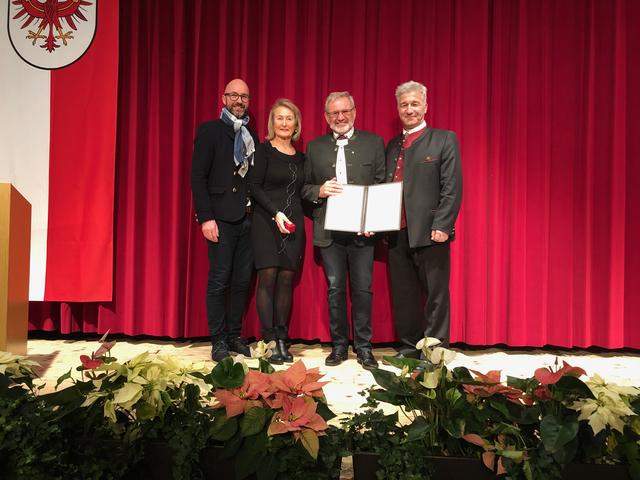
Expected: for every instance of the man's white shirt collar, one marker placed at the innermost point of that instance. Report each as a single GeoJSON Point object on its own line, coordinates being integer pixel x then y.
{"type": "Point", "coordinates": [348, 134]}
{"type": "Point", "coordinates": [422, 125]}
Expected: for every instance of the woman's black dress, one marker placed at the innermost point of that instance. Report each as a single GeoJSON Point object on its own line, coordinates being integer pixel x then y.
{"type": "Point", "coordinates": [275, 182]}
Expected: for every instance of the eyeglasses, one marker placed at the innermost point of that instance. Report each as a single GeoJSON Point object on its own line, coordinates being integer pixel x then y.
{"type": "Point", "coordinates": [336, 114]}
{"type": "Point", "coordinates": [233, 96]}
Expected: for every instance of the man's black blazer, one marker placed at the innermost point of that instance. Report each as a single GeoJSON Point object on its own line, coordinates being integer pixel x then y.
{"type": "Point", "coordinates": [219, 193]}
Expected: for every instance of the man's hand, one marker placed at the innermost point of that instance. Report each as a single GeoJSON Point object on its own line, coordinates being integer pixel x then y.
{"type": "Point", "coordinates": [329, 188]}
{"type": "Point", "coordinates": [439, 236]}
{"type": "Point", "coordinates": [210, 230]}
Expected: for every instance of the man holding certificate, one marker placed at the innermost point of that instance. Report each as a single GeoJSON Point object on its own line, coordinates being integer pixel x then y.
{"type": "Point", "coordinates": [345, 156]}
{"type": "Point", "coordinates": [427, 161]}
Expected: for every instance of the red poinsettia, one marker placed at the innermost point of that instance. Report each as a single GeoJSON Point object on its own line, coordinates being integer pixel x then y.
{"type": "Point", "coordinates": [490, 385]}
{"type": "Point", "coordinates": [96, 360]}
{"type": "Point", "coordinates": [546, 376]}
{"type": "Point", "coordinates": [90, 363]}
{"type": "Point", "coordinates": [298, 416]}
{"type": "Point", "coordinates": [255, 387]}
{"type": "Point", "coordinates": [295, 380]}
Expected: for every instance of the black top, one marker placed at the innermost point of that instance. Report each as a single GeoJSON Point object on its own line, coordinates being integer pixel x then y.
{"type": "Point", "coordinates": [275, 182]}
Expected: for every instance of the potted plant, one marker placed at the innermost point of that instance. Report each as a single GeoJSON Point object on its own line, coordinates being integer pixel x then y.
{"type": "Point", "coordinates": [153, 417]}
{"type": "Point", "coordinates": [525, 428]}
{"type": "Point", "coordinates": [273, 424]}
{"type": "Point", "coordinates": [154, 405]}
{"type": "Point", "coordinates": [38, 439]}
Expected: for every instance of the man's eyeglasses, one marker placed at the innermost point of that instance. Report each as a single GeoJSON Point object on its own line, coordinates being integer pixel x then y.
{"type": "Point", "coordinates": [343, 112]}
{"type": "Point", "coordinates": [233, 96]}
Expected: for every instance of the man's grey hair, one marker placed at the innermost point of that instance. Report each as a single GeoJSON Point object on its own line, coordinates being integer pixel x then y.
{"type": "Point", "coordinates": [411, 86]}
{"type": "Point", "coordinates": [333, 96]}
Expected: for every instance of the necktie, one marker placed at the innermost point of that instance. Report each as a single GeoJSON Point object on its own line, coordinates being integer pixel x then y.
{"type": "Point", "coordinates": [341, 164]}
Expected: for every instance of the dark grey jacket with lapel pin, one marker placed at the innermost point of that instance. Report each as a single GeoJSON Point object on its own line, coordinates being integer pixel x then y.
{"type": "Point", "coordinates": [364, 156]}
{"type": "Point", "coordinates": [432, 189]}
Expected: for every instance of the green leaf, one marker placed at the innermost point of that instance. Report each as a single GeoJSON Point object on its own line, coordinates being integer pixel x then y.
{"type": "Point", "coordinates": [265, 366]}
{"type": "Point", "coordinates": [324, 411]}
{"type": "Point", "coordinates": [410, 363]}
{"type": "Point", "coordinates": [192, 396]}
{"type": "Point", "coordinates": [524, 415]}
{"type": "Point", "coordinates": [556, 433]}
{"type": "Point", "coordinates": [268, 468]}
{"type": "Point", "coordinates": [498, 403]}
{"type": "Point", "coordinates": [71, 394]}
{"type": "Point", "coordinates": [526, 468]}
{"type": "Point", "coordinates": [454, 426]}
{"type": "Point", "coordinates": [574, 385]}
{"type": "Point", "coordinates": [252, 421]}
{"type": "Point", "coordinates": [251, 455]}
{"type": "Point", "coordinates": [231, 446]}
{"type": "Point", "coordinates": [310, 442]}
{"type": "Point", "coordinates": [227, 374]}
{"type": "Point", "coordinates": [524, 384]}
{"type": "Point", "coordinates": [388, 380]}
{"type": "Point", "coordinates": [62, 378]}
{"type": "Point", "coordinates": [418, 429]}
{"type": "Point", "coordinates": [145, 411]}
{"type": "Point", "coordinates": [512, 454]}
{"type": "Point", "coordinates": [223, 428]}
{"type": "Point", "coordinates": [453, 395]}
{"type": "Point", "coordinates": [384, 396]}
{"type": "Point", "coordinates": [462, 374]}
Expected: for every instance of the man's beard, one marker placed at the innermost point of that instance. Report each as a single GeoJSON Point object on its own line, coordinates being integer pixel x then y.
{"type": "Point", "coordinates": [238, 110]}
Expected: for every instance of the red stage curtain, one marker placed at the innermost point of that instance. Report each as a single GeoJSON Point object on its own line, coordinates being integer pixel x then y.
{"type": "Point", "coordinates": [541, 93]}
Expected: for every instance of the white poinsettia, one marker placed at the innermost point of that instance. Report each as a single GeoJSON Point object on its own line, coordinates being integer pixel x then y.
{"type": "Point", "coordinates": [428, 342]}
{"type": "Point", "coordinates": [128, 395]}
{"type": "Point", "coordinates": [441, 355]}
{"type": "Point", "coordinates": [139, 386]}
{"type": "Point", "coordinates": [262, 350]}
{"type": "Point", "coordinates": [16, 365]}
{"type": "Point", "coordinates": [431, 379]}
{"type": "Point", "coordinates": [609, 407]}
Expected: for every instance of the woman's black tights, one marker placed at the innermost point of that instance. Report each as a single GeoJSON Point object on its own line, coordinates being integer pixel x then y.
{"type": "Point", "coordinates": [273, 301]}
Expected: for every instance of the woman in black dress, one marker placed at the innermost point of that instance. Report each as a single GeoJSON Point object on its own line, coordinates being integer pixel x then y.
{"type": "Point", "coordinates": [277, 230]}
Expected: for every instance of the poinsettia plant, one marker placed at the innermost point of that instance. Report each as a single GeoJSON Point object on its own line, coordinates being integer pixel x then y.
{"type": "Point", "coordinates": [526, 428]}
{"type": "Point", "coordinates": [263, 417]}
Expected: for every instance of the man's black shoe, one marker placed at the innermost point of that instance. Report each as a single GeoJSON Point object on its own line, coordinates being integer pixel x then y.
{"type": "Point", "coordinates": [336, 357]}
{"type": "Point", "coordinates": [366, 359]}
{"type": "Point", "coordinates": [275, 358]}
{"type": "Point", "coordinates": [219, 351]}
{"type": "Point", "coordinates": [281, 347]}
{"type": "Point", "coordinates": [239, 345]}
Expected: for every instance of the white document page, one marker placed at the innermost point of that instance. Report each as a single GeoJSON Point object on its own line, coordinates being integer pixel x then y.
{"type": "Point", "coordinates": [344, 211]}
{"type": "Point", "coordinates": [384, 203]}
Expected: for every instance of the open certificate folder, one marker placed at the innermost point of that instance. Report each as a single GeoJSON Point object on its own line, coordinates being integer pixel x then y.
{"type": "Point", "coordinates": [365, 208]}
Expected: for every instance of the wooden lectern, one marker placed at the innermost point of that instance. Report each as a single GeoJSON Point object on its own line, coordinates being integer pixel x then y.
{"type": "Point", "coordinates": [15, 246]}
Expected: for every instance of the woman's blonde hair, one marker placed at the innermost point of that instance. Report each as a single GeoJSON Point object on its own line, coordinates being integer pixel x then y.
{"type": "Point", "coordinates": [285, 102]}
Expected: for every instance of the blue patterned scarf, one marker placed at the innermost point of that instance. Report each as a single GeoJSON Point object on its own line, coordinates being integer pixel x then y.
{"type": "Point", "coordinates": [243, 145]}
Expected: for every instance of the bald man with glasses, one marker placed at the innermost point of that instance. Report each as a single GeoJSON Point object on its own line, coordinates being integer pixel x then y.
{"type": "Point", "coordinates": [222, 155]}
{"type": "Point", "coordinates": [344, 156]}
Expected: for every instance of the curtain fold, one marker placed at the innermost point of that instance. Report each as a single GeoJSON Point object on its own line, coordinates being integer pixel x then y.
{"type": "Point", "coordinates": [541, 94]}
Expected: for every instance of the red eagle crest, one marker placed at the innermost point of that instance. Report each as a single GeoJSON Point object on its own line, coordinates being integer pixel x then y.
{"type": "Point", "coordinates": [49, 14]}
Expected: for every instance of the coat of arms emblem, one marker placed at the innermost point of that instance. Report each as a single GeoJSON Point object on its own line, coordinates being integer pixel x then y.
{"type": "Point", "coordinates": [51, 34]}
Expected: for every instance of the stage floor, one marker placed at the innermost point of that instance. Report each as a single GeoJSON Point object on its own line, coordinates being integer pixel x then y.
{"type": "Point", "coordinates": [57, 356]}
